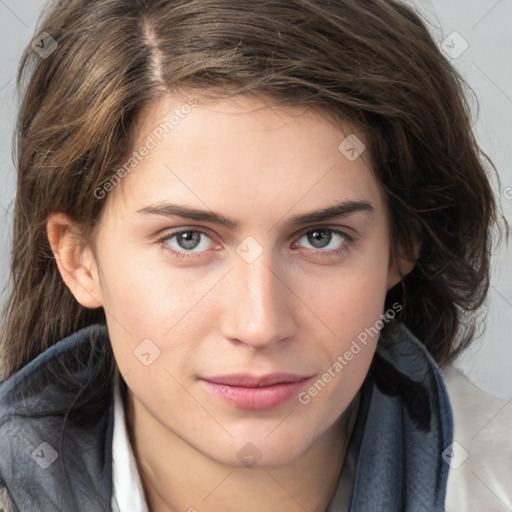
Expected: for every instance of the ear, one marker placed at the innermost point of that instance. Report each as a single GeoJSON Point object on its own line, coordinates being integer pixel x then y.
{"type": "Point", "coordinates": [76, 262]}
{"type": "Point", "coordinates": [403, 263]}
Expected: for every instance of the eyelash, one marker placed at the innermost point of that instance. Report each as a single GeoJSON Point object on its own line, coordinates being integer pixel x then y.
{"type": "Point", "coordinates": [348, 240]}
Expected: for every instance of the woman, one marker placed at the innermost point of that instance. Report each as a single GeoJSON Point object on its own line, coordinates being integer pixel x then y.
{"type": "Point", "coordinates": [247, 238]}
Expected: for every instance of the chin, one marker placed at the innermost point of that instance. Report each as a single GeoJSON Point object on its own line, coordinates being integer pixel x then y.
{"type": "Point", "coordinates": [258, 451]}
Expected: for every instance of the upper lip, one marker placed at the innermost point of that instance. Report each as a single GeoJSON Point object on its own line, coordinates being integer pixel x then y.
{"type": "Point", "coordinates": [255, 381]}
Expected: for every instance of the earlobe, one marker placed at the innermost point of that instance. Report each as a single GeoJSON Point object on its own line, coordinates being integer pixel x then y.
{"type": "Point", "coordinates": [402, 265]}
{"type": "Point", "coordinates": [76, 263]}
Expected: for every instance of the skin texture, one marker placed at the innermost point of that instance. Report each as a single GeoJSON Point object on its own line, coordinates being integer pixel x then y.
{"type": "Point", "coordinates": [295, 308]}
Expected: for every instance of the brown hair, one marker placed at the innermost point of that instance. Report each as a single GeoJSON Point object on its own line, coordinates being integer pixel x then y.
{"type": "Point", "coordinates": [371, 62]}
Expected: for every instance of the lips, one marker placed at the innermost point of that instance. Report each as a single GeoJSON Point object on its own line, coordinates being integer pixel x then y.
{"type": "Point", "coordinates": [252, 392]}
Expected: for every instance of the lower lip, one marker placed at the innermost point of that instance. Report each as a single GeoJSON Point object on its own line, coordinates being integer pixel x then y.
{"type": "Point", "coordinates": [256, 399]}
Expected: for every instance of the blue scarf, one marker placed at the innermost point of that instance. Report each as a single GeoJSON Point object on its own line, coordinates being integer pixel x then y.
{"type": "Point", "coordinates": [56, 429]}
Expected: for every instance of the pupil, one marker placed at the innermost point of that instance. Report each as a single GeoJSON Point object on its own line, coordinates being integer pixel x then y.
{"type": "Point", "coordinates": [189, 239]}
{"type": "Point", "coordinates": [320, 238]}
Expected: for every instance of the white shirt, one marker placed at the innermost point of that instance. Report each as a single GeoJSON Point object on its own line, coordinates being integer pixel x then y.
{"type": "Point", "coordinates": [480, 478]}
{"type": "Point", "coordinates": [127, 494]}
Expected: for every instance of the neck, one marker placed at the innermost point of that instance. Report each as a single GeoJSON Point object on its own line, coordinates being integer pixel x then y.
{"type": "Point", "coordinates": [177, 477]}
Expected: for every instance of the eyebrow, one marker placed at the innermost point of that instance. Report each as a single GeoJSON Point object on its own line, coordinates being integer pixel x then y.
{"type": "Point", "coordinates": [342, 209]}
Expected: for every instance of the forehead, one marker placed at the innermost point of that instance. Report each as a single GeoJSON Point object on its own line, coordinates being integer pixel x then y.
{"type": "Point", "coordinates": [237, 154]}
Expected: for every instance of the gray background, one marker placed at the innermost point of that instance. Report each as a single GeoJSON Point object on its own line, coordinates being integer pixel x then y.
{"type": "Point", "coordinates": [481, 25]}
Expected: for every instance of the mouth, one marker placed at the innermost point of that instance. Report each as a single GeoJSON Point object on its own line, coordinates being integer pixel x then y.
{"type": "Point", "coordinates": [257, 393]}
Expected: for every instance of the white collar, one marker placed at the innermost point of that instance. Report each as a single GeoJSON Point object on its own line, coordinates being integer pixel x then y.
{"type": "Point", "coordinates": [127, 490]}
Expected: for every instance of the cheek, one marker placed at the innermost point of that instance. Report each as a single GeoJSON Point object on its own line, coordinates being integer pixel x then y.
{"type": "Point", "coordinates": [352, 309]}
{"type": "Point", "coordinates": [358, 303]}
{"type": "Point", "coordinates": [355, 297]}
{"type": "Point", "coordinates": [155, 314]}
{"type": "Point", "coordinates": [353, 312]}
{"type": "Point", "coordinates": [145, 293]}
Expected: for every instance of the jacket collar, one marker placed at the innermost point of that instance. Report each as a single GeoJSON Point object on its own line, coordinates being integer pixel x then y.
{"type": "Point", "coordinates": [56, 425]}
{"type": "Point", "coordinates": [404, 425]}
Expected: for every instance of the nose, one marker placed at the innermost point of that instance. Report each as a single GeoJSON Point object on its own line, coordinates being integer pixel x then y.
{"type": "Point", "coordinates": [258, 304]}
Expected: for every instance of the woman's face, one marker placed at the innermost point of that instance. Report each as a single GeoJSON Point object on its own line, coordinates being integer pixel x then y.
{"type": "Point", "coordinates": [239, 261]}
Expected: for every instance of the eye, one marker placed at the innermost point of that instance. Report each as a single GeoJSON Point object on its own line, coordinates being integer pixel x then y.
{"type": "Point", "coordinates": [187, 241]}
{"type": "Point", "coordinates": [325, 239]}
